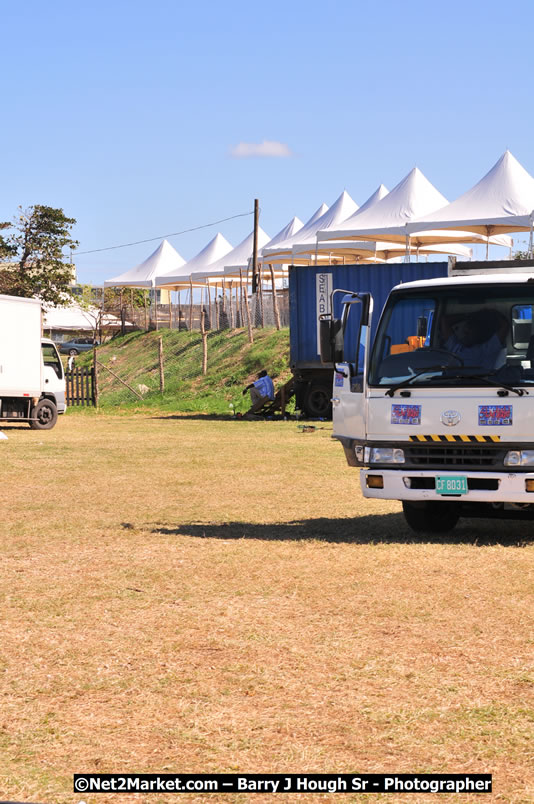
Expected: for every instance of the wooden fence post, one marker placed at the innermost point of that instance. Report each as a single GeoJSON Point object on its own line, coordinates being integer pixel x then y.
{"type": "Point", "coordinates": [247, 309]}
{"type": "Point", "coordinates": [275, 300]}
{"type": "Point", "coordinates": [231, 306]}
{"type": "Point", "coordinates": [161, 372]}
{"type": "Point", "coordinates": [95, 379]}
{"type": "Point", "coordinates": [204, 343]}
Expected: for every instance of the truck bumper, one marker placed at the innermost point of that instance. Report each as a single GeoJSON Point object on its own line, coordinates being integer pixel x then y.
{"type": "Point", "coordinates": [397, 485]}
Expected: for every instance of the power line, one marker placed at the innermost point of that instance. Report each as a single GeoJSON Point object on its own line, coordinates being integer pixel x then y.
{"type": "Point", "coordinates": [163, 237]}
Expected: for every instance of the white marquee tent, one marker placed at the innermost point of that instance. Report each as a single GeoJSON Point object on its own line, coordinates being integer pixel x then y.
{"type": "Point", "coordinates": [238, 257]}
{"type": "Point", "coordinates": [305, 253]}
{"type": "Point", "coordinates": [412, 198]}
{"type": "Point", "coordinates": [285, 246]}
{"type": "Point", "coordinates": [164, 259]}
{"type": "Point", "coordinates": [290, 229]}
{"type": "Point", "coordinates": [340, 210]}
{"type": "Point", "coordinates": [502, 201]}
{"type": "Point", "coordinates": [77, 319]}
{"type": "Point", "coordinates": [217, 247]}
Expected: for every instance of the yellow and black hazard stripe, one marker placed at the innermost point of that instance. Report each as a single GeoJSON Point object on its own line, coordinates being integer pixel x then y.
{"type": "Point", "coordinates": [457, 438]}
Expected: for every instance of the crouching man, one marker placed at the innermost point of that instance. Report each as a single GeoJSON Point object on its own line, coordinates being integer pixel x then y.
{"type": "Point", "coordinates": [261, 391]}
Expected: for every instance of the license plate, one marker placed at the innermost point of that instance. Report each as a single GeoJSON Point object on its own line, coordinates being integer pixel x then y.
{"type": "Point", "coordinates": [451, 484]}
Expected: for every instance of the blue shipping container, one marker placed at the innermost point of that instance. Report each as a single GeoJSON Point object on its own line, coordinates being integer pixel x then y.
{"type": "Point", "coordinates": [309, 295]}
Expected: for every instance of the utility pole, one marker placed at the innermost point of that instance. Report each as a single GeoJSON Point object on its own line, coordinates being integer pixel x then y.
{"type": "Point", "coordinates": [255, 248]}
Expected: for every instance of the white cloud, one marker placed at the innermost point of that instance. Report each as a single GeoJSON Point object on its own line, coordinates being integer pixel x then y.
{"type": "Point", "coordinates": [270, 148]}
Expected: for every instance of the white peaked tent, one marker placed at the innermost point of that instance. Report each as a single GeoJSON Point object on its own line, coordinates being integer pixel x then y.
{"type": "Point", "coordinates": [340, 210]}
{"type": "Point", "coordinates": [164, 259]}
{"type": "Point", "coordinates": [213, 251]}
{"type": "Point", "coordinates": [237, 257]}
{"type": "Point", "coordinates": [288, 230]}
{"type": "Point", "coordinates": [386, 221]}
{"type": "Point", "coordinates": [413, 197]}
{"type": "Point", "coordinates": [77, 319]}
{"type": "Point", "coordinates": [310, 252]}
{"type": "Point", "coordinates": [285, 246]}
{"type": "Point", "coordinates": [502, 201]}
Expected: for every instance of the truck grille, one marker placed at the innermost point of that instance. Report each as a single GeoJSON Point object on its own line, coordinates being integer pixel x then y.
{"type": "Point", "coordinates": [441, 455]}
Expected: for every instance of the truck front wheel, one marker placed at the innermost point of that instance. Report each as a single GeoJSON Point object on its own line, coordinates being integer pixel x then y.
{"type": "Point", "coordinates": [43, 415]}
{"type": "Point", "coordinates": [431, 517]}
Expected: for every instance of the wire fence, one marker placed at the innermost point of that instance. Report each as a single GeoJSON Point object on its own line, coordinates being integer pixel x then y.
{"type": "Point", "coordinates": [221, 312]}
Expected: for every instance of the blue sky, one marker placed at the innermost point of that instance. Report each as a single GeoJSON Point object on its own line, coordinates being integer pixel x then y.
{"type": "Point", "coordinates": [125, 114]}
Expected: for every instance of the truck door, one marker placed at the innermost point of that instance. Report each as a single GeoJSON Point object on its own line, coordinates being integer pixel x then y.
{"type": "Point", "coordinates": [53, 375]}
{"type": "Point", "coordinates": [350, 375]}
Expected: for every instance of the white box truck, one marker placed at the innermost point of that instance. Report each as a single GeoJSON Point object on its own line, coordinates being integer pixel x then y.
{"type": "Point", "coordinates": [439, 413]}
{"type": "Point", "coordinates": [32, 380]}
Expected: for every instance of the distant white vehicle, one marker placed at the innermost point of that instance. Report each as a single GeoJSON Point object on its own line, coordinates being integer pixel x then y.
{"type": "Point", "coordinates": [32, 380]}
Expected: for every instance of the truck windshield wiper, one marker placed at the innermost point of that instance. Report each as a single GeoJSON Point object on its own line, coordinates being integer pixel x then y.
{"type": "Point", "coordinates": [429, 369]}
{"type": "Point", "coordinates": [457, 374]}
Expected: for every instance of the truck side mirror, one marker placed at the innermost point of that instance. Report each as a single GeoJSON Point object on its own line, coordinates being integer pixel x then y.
{"type": "Point", "coordinates": [331, 340]}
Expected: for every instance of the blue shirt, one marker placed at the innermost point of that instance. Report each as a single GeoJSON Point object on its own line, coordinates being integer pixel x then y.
{"type": "Point", "coordinates": [487, 355]}
{"type": "Point", "coordinates": [265, 386]}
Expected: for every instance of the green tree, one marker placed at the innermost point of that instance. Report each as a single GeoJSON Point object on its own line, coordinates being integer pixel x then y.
{"type": "Point", "coordinates": [37, 265]}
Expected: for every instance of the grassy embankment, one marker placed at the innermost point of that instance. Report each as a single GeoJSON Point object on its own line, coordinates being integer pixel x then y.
{"type": "Point", "coordinates": [232, 363]}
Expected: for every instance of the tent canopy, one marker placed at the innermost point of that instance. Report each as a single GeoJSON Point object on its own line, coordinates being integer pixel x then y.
{"type": "Point", "coordinates": [312, 248]}
{"type": "Point", "coordinates": [341, 209]}
{"type": "Point", "coordinates": [164, 259]}
{"type": "Point", "coordinates": [76, 318]}
{"type": "Point", "coordinates": [370, 251]}
{"type": "Point", "coordinates": [502, 201]}
{"type": "Point", "coordinates": [217, 247]}
{"type": "Point", "coordinates": [391, 218]}
{"type": "Point", "coordinates": [287, 244]}
{"type": "Point", "coordinates": [413, 196]}
{"type": "Point", "coordinates": [239, 256]}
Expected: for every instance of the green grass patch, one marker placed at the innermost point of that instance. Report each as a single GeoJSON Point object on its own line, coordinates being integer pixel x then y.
{"type": "Point", "coordinates": [130, 376]}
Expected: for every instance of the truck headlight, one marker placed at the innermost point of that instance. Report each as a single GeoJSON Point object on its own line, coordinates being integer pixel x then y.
{"type": "Point", "coordinates": [387, 455]}
{"type": "Point", "coordinates": [516, 457]}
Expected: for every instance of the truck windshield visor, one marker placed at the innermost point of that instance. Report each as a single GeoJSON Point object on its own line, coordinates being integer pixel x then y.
{"type": "Point", "coordinates": [452, 335]}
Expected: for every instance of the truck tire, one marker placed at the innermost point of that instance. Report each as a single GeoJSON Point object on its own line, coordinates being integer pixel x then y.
{"type": "Point", "coordinates": [44, 415]}
{"type": "Point", "coordinates": [317, 401]}
{"type": "Point", "coordinates": [431, 517]}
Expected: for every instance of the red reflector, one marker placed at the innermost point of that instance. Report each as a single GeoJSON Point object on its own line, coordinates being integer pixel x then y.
{"type": "Point", "coordinates": [25, 394]}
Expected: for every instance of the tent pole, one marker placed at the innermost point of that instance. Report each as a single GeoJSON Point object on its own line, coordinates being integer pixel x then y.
{"type": "Point", "coordinates": [190, 304]}
{"type": "Point", "coordinates": [531, 235]}
{"type": "Point", "coordinates": [170, 309]}
{"type": "Point", "coordinates": [407, 257]}
{"type": "Point", "coordinates": [487, 241]}
{"type": "Point", "coordinates": [155, 307]}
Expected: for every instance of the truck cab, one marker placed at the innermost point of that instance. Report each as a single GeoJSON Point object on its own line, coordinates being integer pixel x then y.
{"type": "Point", "coordinates": [438, 413]}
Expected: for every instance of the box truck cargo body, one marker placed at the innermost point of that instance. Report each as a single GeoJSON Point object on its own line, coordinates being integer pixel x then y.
{"type": "Point", "coordinates": [32, 380]}
{"type": "Point", "coordinates": [310, 289]}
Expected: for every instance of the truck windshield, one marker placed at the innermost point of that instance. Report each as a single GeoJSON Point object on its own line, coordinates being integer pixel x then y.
{"type": "Point", "coordinates": [456, 335]}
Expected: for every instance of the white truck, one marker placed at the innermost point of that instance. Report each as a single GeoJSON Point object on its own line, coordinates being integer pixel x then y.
{"type": "Point", "coordinates": [32, 380]}
{"type": "Point", "coordinates": [439, 414]}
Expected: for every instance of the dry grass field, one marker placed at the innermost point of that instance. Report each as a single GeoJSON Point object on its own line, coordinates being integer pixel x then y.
{"type": "Point", "coordinates": [191, 595]}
